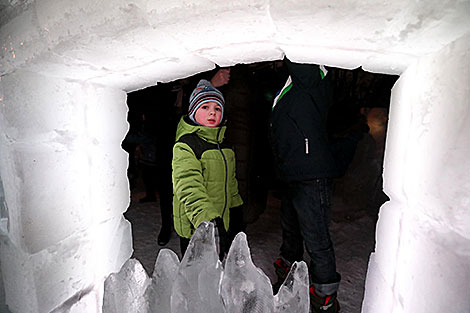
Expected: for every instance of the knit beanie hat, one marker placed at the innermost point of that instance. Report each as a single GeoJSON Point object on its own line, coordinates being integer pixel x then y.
{"type": "Point", "coordinates": [204, 92]}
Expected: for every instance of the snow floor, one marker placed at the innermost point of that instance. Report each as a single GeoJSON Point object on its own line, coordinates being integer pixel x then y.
{"type": "Point", "coordinates": [352, 231]}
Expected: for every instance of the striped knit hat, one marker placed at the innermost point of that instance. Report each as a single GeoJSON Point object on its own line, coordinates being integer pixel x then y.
{"type": "Point", "coordinates": [203, 93]}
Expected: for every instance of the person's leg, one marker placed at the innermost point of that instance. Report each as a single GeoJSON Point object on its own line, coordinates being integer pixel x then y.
{"type": "Point", "coordinates": [148, 176]}
{"type": "Point", "coordinates": [184, 243]}
{"type": "Point", "coordinates": [292, 248]}
{"type": "Point", "coordinates": [236, 222]}
{"type": "Point", "coordinates": [165, 192]}
{"type": "Point", "coordinates": [312, 203]}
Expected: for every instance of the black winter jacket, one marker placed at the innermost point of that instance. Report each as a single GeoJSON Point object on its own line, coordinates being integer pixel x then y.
{"type": "Point", "coordinates": [299, 126]}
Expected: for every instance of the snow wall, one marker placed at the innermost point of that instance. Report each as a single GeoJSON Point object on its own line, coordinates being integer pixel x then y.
{"type": "Point", "coordinates": [65, 68]}
{"type": "Point", "coordinates": [423, 235]}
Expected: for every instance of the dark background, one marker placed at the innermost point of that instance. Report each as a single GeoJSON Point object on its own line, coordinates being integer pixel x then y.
{"type": "Point", "coordinates": [356, 126]}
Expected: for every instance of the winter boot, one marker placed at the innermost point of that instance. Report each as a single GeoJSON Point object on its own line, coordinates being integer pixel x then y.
{"type": "Point", "coordinates": [282, 268]}
{"type": "Point", "coordinates": [327, 304]}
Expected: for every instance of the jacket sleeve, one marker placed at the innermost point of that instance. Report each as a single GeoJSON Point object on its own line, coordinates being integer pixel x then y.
{"type": "Point", "coordinates": [188, 185]}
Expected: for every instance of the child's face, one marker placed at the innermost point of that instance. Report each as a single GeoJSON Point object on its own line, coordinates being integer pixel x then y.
{"type": "Point", "coordinates": [208, 114]}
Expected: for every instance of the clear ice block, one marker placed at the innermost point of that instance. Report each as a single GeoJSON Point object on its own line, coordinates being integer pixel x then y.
{"type": "Point", "coordinates": [293, 295]}
{"type": "Point", "coordinates": [245, 288]}
{"type": "Point", "coordinates": [124, 291]}
{"type": "Point", "coordinates": [164, 274]}
{"type": "Point", "coordinates": [196, 288]}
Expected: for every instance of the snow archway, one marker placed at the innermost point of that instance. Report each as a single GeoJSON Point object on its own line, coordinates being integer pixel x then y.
{"type": "Point", "coordinates": [65, 69]}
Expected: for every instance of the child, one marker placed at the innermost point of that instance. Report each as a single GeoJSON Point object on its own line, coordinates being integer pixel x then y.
{"type": "Point", "coordinates": [204, 183]}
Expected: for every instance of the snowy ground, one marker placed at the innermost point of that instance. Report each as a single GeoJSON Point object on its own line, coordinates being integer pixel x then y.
{"type": "Point", "coordinates": [353, 234]}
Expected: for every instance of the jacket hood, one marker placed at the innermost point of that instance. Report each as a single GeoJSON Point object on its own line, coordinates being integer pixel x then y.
{"type": "Point", "coordinates": [211, 134]}
{"type": "Point", "coordinates": [304, 76]}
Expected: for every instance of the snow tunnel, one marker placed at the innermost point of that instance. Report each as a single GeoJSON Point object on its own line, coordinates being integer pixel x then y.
{"type": "Point", "coordinates": [65, 68]}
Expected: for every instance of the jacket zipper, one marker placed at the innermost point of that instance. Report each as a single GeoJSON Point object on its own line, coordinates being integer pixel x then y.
{"type": "Point", "coordinates": [226, 178]}
{"type": "Point", "coordinates": [302, 133]}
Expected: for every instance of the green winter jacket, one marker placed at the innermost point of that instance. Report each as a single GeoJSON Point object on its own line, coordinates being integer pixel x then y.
{"type": "Point", "coordinates": [204, 188]}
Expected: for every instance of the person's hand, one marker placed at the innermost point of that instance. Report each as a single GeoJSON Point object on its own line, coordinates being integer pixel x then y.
{"type": "Point", "coordinates": [224, 243]}
{"type": "Point", "coordinates": [221, 77]}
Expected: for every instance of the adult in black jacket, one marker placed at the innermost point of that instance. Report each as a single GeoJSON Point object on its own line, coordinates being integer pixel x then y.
{"type": "Point", "coordinates": [306, 165]}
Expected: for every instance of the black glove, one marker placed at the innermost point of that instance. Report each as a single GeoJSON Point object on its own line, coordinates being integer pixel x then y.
{"type": "Point", "coordinates": [224, 243]}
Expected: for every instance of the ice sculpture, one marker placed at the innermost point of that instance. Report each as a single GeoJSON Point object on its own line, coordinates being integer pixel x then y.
{"type": "Point", "coordinates": [200, 284]}
{"type": "Point", "coordinates": [245, 288]}
{"type": "Point", "coordinates": [124, 291]}
{"type": "Point", "coordinates": [293, 295]}
{"type": "Point", "coordinates": [196, 288]}
{"type": "Point", "coordinates": [159, 291]}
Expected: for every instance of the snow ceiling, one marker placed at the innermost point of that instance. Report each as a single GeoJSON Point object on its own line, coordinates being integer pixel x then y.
{"type": "Point", "coordinates": [134, 44]}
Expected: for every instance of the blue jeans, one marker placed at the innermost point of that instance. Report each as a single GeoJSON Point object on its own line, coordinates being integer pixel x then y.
{"type": "Point", "coordinates": [304, 219]}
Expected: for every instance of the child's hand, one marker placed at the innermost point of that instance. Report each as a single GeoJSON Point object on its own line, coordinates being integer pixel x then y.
{"type": "Point", "coordinates": [221, 77]}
